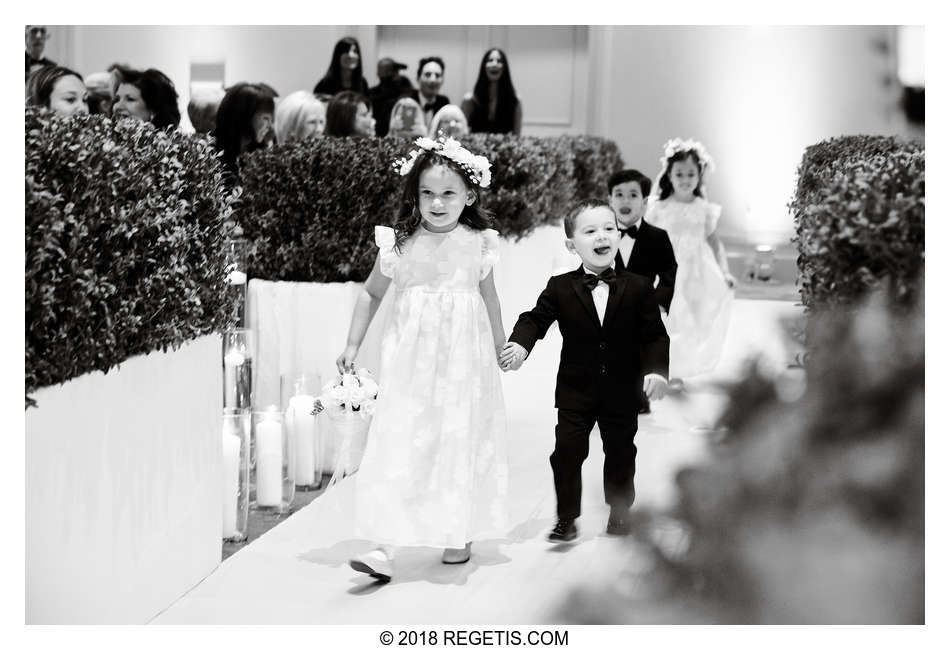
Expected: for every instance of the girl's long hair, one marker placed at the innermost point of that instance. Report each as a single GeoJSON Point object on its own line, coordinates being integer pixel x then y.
{"type": "Point", "coordinates": [666, 185]}
{"type": "Point", "coordinates": [408, 217]}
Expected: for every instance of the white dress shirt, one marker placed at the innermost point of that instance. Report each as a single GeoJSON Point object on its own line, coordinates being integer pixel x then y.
{"type": "Point", "coordinates": [626, 244]}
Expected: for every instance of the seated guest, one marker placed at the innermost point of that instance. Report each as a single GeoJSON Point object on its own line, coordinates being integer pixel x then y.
{"type": "Point", "coordinates": [146, 95]}
{"type": "Point", "coordinates": [345, 71]}
{"type": "Point", "coordinates": [244, 123]}
{"type": "Point", "coordinates": [493, 107]}
{"type": "Point", "coordinates": [349, 114]}
{"type": "Point", "coordinates": [406, 119]}
{"type": "Point", "coordinates": [99, 86]}
{"type": "Point", "coordinates": [300, 116]}
{"type": "Point", "coordinates": [203, 108]}
{"type": "Point", "coordinates": [449, 122]}
{"type": "Point", "coordinates": [36, 37]}
{"type": "Point", "coordinates": [391, 87]}
{"type": "Point", "coordinates": [57, 88]}
{"type": "Point", "coordinates": [430, 76]}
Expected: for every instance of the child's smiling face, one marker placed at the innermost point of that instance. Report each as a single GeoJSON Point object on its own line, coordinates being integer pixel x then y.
{"type": "Point", "coordinates": [596, 238]}
{"type": "Point", "coordinates": [628, 202]}
{"type": "Point", "coordinates": [442, 197]}
{"type": "Point", "coordinates": [684, 174]}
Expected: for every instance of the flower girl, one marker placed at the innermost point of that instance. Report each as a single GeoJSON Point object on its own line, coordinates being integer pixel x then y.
{"type": "Point", "coordinates": [702, 300]}
{"type": "Point", "coordinates": [435, 470]}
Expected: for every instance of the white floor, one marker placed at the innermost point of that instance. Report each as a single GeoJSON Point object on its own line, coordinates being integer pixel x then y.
{"type": "Point", "coordinates": [297, 573]}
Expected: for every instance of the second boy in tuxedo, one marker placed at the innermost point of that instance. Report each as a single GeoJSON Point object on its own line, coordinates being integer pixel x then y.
{"type": "Point", "coordinates": [644, 249]}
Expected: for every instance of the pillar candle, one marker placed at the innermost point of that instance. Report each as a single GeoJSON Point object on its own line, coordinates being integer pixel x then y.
{"type": "Point", "coordinates": [231, 449]}
{"type": "Point", "coordinates": [232, 360]}
{"type": "Point", "coordinates": [269, 463]}
{"type": "Point", "coordinates": [302, 424]}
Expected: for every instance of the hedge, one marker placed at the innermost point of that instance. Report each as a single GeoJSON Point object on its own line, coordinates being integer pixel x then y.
{"type": "Point", "coordinates": [859, 213]}
{"type": "Point", "coordinates": [125, 244]}
{"type": "Point", "coordinates": [308, 208]}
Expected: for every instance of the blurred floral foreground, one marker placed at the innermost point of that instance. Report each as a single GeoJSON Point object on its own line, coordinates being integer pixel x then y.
{"type": "Point", "coordinates": [809, 509]}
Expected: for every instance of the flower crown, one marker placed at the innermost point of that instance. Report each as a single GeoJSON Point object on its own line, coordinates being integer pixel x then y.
{"type": "Point", "coordinates": [677, 145]}
{"type": "Point", "coordinates": [475, 166]}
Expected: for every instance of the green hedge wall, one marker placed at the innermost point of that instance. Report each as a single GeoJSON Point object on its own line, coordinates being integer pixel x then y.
{"type": "Point", "coordinates": [125, 243]}
{"type": "Point", "coordinates": [309, 208]}
{"type": "Point", "coordinates": [859, 214]}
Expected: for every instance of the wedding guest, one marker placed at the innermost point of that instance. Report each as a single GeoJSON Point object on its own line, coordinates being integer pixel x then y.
{"type": "Point", "coordinates": [203, 108]}
{"type": "Point", "coordinates": [300, 116]}
{"type": "Point", "coordinates": [36, 37]}
{"type": "Point", "coordinates": [406, 120]}
{"type": "Point", "coordinates": [387, 92]}
{"type": "Point", "coordinates": [57, 88]}
{"type": "Point", "coordinates": [430, 76]}
{"type": "Point", "coordinates": [244, 123]}
{"type": "Point", "coordinates": [493, 107]}
{"type": "Point", "coordinates": [99, 87]}
{"type": "Point", "coordinates": [147, 95]}
{"type": "Point", "coordinates": [345, 71]}
{"type": "Point", "coordinates": [349, 114]}
{"type": "Point", "coordinates": [449, 122]}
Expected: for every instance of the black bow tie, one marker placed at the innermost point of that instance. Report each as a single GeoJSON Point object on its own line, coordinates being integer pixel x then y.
{"type": "Point", "coordinates": [429, 107]}
{"type": "Point", "coordinates": [591, 280]}
{"type": "Point", "coordinates": [630, 232]}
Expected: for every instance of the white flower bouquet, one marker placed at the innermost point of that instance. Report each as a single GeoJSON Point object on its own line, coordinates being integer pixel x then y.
{"type": "Point", "coordinates": [349, 394]}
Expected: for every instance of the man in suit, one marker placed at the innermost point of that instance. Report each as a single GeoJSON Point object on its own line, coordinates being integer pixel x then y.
{"type": "Point", "coordinates": [430, 76]}
{"type": "Point", "coordinates": [614, 347]}
{"type": "Point", "coordinates": [644, 249]}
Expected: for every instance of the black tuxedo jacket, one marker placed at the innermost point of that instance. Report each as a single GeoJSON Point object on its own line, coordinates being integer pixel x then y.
{"type": "Point", "coordinates": [439, 101]}
{"type": "Point", "coordinates": [602, 366]}
{"type": "Point", "coordinates": [652, 257]}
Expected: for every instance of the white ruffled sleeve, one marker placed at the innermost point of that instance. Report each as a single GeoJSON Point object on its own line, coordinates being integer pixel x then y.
{"type": "Point", "coordinates": [713, 212]}
{"type": "Point", "coordinates": [489, 251]}
{"type": "Point", "coordinates": [388, 255]}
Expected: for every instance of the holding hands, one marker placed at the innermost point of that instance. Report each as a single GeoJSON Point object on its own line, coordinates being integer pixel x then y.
{"type": "Point", "coordinates": [512, 356]}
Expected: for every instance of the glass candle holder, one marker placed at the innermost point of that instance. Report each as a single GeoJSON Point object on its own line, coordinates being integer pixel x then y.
{"type": "Point", "coordinates": [236, 456]}
{"type": "Point", "coordinates": [297, 393]}
{"type": "Point", "coordinates": [237, 279]}
{"type": "Point", "coordinates": [764, 262]}
{"type": "Point", "coordinates": [272, 462]}
{"type": "Point", "coordinates": [237, 360]}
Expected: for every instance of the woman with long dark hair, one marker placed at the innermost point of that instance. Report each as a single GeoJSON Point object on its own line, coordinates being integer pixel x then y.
{"type": "Point", "coordinates": [345, 71]}
{"type": "Point", "coordinates": [349, 113]}
{"type": "Point", "coordinates": [244, 123]}
{"type": "Point", "coordinates": [494, 106]}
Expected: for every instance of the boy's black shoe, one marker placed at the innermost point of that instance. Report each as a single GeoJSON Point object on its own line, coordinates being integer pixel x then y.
{"type": "Point", "coordinates": [564, 531]}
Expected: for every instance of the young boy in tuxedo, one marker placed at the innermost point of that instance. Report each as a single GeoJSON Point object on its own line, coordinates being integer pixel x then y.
{"type": "Point", "coordinates": [644, 249]}
{"type": "Point", "coordinates": [614, 347]}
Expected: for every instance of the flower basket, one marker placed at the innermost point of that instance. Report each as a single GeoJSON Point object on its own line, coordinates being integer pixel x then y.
{"type": "Point", "coordinates": [349, 401]}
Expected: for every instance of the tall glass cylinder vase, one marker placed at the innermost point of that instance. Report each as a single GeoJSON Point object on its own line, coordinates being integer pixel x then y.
{"type": "Point", "coordinates": [297, 393]}
{"type": "Point", "coordinates": [235, 450]}
{"type": "Point", "coordinates": [272, 462]}
{"type": "Point", "coordinates": [238, 357]}
{"type": "Point", "coordinates": [237, 279]}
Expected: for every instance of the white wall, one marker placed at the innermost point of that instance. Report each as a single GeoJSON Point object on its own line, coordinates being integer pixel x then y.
{"type": "Point", "coordinates": [123, 488]}
{"type": "Point", "coordinates": [756, 97]}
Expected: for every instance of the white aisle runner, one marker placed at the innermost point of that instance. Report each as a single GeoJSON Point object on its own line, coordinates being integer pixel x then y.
{"type": "Point", "coordinates": [297, 573]}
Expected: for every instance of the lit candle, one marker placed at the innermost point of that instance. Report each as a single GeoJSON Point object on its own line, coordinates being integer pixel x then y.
{"type": "Point", "coordinates": [302, 426]}
{"type": "Point", "coordinates": [231, 449]}
{"type": "Point", "coordinates": [232, 360]}
{"type": "Point", "coordinates": [269, 462]}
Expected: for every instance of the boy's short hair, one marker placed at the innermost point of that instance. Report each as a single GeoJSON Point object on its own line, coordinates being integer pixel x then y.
{"type": "Point", "coordinates": [570, 220]}
{"type": "Point", "coordinates": [627, 175]}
